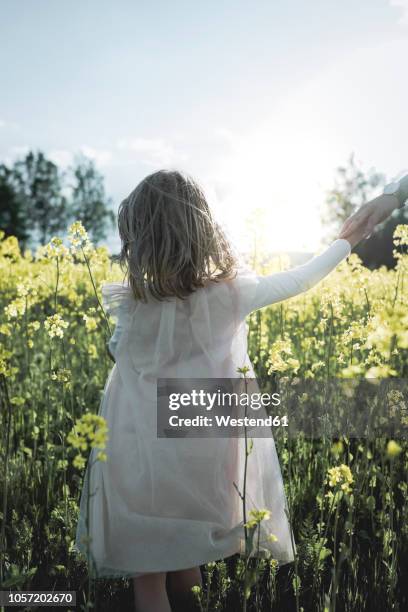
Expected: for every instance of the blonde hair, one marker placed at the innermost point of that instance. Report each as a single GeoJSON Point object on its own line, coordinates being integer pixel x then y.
{"type": "Point", "coordinates": [171, 244]}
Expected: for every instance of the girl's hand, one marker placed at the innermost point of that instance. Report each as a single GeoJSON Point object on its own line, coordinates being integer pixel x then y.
{"type": "Point", "coordinates": [367, 217]}
{"type": "Point", "coordinates": [355, 236]}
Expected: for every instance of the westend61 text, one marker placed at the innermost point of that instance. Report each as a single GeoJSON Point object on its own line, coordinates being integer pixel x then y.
{"type": "Point", "coordinates": [227, 421]}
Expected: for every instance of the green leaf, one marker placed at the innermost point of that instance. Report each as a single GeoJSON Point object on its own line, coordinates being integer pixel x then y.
{"type": "Point", "coordinates": [18, 579]}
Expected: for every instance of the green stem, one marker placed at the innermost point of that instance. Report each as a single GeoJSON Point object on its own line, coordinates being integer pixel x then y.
{"type": "Point", "coordinates": [244, 504]}
{"type": "Point", "coordinates": [335, 576]}
{"type": "Point", "coordinates": [95, 291]}
{"type": "Point", "coordinates": [296, 560]}
{"type": "Point", "coordinates": [26, 337]}
{"type": "Point", "coordinates": [3, 382]}
{"type": "Point", "coordinates": [330, 340]}
{"type": "Point", "coordinates": [56, 286]}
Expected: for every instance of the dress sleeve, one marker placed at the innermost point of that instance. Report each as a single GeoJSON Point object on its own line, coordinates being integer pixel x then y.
{"type": "Point", "coordinates": [114, 340]}
{"type": "Point", "coordinates": [118, 301]}
{"type": "Point", "coordinates": [283, 285]}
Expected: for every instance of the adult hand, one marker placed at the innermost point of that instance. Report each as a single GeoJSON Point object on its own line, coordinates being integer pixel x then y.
{"type": "Point", "coordinates": [355, 236]}
{"type": "Point", "coordinates": [364, 220]}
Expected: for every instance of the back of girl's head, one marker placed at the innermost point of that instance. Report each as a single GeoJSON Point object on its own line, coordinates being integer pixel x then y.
{"type": "Point", "coordinates": [171, 244]}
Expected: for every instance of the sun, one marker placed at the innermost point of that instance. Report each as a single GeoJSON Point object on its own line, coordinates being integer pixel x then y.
{"type": "Point", "coordinates": [276, 170]}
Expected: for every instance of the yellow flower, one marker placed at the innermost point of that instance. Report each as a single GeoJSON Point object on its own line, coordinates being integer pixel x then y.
{"type": "Point", "coordinates": [92, 351]}
{"type": "Point", "coordinates": [9, 247]}
{"type": "Point", "coordinates": [196, 590]}
{"type": "Point", "coordinates": [79, 462]}
{"type": "Point", "coordinates": [257, 516]}
{"type": "Point", "coordinates": [63, 375]}
{"type": "Point", "coordinates": [401, 235]}
{"type": "Point", "coordinates": [337, 448]}
{"type": "Point", "coordinates": [16, 308]}
{"type": "Point", "coordinates": [381, 371]}
{"type": "Point", "coordinates": [272, 538]}
{"type": "Point", "coordinates": [55, 325]}
{"type": "Point", "coordinates": [90, 322]}
{"type": "Point", "coordinates": [17, 400]}
{"type": "Point", "coordinates": [90, 431]}
{"type": "Point", "coordinates": [394, 396]}
{"type": "Point", "coordinates": [340, 477]}
{"type": "Point", "coordinates": [280, 357]}
{"type": "Point", "coordinates": [53, 250]}
{"type": "Point", "coordinates": [5, 368]}
{"type": "Point", "coordinates": [77, 230]}
{"type": "Point", "coordinates": [5, 329]}
{"type": "Point", "coordinates": [393, 448]}
{"type": "Point", "coordinates": [79, 239]}
{"type": "Point", "coordinates": [244, 370]}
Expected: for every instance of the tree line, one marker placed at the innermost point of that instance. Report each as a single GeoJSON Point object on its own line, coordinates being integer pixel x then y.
{"type": "Point", "coordinates": [352, 188]}
{"type": "Point", "coordinates": [39, 200]}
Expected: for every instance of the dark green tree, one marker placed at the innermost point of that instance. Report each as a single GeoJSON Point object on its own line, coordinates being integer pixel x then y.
{"type": "Point", "coordinates": [36, 201]}
{"type": "Point", "coordinates": [13, 217]}
{"type": "Point", "coordinates": [352, 188]}
{"type": "Point", "coordinates": [89, 202]}
{"type": "Point", "coordinates": [39, 185]}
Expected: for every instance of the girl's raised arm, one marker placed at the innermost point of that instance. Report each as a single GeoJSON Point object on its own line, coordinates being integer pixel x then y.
{"type": "Point", "coordinates": [283, 285]}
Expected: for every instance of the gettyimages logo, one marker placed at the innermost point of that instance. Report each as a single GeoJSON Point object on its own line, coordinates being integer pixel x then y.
{"type": "Point", "coordinates": [213, 407]}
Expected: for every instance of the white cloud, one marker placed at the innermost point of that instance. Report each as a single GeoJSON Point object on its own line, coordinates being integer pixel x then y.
{"type": "Point", "coordinates": [19, 150]}
{"type": "Point", "coordinates": [153, 151]}
{"type": "Point", "coordinates": [403, 6]}
{"type": "Point", "coordinates": [12, 154]}
{"type": "Point", "coordinates": [64, 157]}
{"type": "Point", "coordinates": [61, 157]}
{"type": "Point", "coordinates": [102, 157]}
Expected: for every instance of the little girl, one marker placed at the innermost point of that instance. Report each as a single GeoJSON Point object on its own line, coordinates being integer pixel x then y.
{"type": "Point", "coordinates": [160, 508]}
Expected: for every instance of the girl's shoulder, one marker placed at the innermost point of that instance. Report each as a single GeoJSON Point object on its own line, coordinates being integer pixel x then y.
{"type": "Point", "coordinates": [234, 292]}
{"type": "Point", "coordinates": [117, 298]}
{"type": "Point", "coordinates": [240, 289]}
{"type": "Point", "coordinates": [243, 277]}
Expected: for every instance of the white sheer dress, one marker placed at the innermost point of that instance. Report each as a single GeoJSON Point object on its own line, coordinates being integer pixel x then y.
{"type": "Point", "coordinates": [166, 504]}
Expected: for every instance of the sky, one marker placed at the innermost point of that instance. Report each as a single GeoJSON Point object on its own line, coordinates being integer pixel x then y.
{"type": "Point", "coordinates": [259, 101]}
